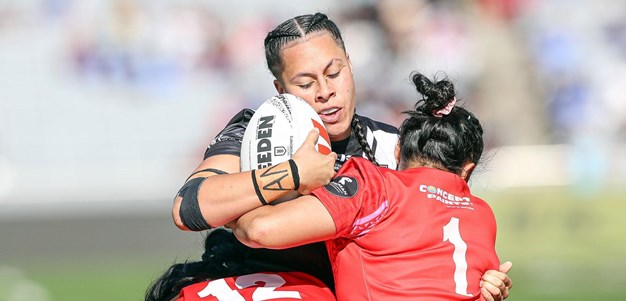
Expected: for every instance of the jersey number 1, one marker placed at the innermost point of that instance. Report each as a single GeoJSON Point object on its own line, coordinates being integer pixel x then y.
{"type": "Point", "coordinates": [452, 234]}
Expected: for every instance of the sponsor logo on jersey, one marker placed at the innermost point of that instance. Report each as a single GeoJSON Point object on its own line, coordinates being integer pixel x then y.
{"type": "Point", "coordinates": [446, 198]}
{"type": "Point", "coordinates": [345, 187]}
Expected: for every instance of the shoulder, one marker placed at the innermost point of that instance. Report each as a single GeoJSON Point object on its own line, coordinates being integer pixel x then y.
{"type": "Point", "coordinates": [358, 163]}
{"type": "Point", "coordinates": [228, 140]}
{"type": "Point", "coordinates": [374, 125]}
{"type": "Point", "coordinates": [382, 138]}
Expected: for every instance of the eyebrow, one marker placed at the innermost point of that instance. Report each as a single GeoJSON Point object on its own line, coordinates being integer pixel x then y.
{"type": "Point", "coordinates": [303, 74]}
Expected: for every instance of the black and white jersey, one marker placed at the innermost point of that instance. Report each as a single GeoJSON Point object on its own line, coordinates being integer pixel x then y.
{"type": "Point", "coordinates": [381, 138]}
{"type": "Point", "coordinates": [228, 140]}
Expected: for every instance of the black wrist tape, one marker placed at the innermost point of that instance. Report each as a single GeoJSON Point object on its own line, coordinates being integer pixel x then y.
{"type": "Point", "coordinates": [256, 188]}
{"type": "Point", "coordinates": [294, 174]}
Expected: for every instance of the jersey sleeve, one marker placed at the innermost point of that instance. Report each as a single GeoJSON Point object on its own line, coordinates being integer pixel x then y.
{"type": "Point", "coordinates": [355, 198]}
{"type": "Point", "coordinates": [228, 141]}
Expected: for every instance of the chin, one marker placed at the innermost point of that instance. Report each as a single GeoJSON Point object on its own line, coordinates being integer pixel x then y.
{"type": "Point", "coordinates": [337, 135]}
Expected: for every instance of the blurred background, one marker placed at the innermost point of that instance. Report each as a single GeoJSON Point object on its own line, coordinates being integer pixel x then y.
{"type": "Point", "coordinates": [107, 106]}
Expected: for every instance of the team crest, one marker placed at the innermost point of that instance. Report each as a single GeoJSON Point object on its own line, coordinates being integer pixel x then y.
{"type": "Point", "coordinates": [345, 187]}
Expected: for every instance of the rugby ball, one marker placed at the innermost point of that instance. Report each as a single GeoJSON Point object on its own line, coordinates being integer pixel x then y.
{"type": "Point", "coordinates": [277, 129]}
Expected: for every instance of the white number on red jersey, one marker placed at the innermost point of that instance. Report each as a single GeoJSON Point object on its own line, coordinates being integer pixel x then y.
{"type": "Point", "coordinates": [220, 289]}
{"type": "Point", "coordinates": [452, 234]}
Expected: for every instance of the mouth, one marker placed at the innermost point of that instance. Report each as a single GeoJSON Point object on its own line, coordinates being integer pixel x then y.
{"type": "Point", "coordinates": [331, 115]}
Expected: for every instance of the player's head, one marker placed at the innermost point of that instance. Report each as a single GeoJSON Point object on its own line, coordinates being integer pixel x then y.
{"type": "Point", "coordinates": [307, 56]}
{"type": "Point", "coordinates": [438, 133]}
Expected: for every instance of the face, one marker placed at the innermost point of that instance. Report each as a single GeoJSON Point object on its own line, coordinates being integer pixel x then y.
{"type": "Point", "coordinates": [317, 70]}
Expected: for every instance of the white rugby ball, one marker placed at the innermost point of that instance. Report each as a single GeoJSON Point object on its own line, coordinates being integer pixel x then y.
{"type": "Point", "coordinates": [277, 129]}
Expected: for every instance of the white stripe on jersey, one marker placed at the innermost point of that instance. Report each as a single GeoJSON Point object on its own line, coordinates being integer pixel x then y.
{"type": "Point", "coordinates": [384, 152]}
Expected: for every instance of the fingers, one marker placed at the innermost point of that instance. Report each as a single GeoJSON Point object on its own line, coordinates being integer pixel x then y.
{"type": "Point", "coordinates": [506, 267]}
{"type": "Point", "coordinates": [308, 146]}
{"type": "Point", "coordinates": [491, 292]}
{"type": "Point", "coordinates": [312, 137]}
{"type": "Point", "coordinates": [333, 156]}
{"type": "Point", "coordinates": [315, 169]}
{"type": "Point", "coordinates": [486, 294]}
{"type": "Point", "coordinates": [495, 282]}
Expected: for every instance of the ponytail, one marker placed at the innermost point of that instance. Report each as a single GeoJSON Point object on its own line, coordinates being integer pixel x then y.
{"type": "Point", "coordinates": [439, 132]}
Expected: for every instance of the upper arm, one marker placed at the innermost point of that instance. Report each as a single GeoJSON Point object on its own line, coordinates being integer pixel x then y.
{"type": "Point", "coordinates": [221, 156]}
{"type": "Point", "coordinates": [226, 163]}
{"type": "Point", "coordinates": [301, 221]}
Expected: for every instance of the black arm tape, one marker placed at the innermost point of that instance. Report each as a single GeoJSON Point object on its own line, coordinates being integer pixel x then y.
{"type": "Point", "coordinates": [294, 174]}
{"type": "Point", "coordinates": [190, 213]}
{"type": "Point", "coordinates": [213, 170]}
{"type": "Point", "coordinates": [256, 188]}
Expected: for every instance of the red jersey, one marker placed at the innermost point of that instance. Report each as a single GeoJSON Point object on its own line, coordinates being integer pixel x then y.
{"type": "Point", "coordinates": [416, 234]}
{"type": "Point", "coordinates": [279, 286]}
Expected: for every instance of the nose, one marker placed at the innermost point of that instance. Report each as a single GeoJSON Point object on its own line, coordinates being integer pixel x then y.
{"type": "Point", "coordinates": [325, 92]}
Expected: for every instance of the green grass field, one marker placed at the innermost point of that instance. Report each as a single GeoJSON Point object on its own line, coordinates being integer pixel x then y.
{"type": "Point", "coordinates": [563, 248]}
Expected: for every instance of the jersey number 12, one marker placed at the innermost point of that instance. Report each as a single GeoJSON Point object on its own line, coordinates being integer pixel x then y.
{"type": "Point", "coordinates": [220, 289]}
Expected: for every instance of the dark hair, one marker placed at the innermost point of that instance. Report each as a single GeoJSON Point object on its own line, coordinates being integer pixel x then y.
{"type": "Point", "coordinates": [359, 133]}
{"type": "Point", "coordinates": [292, 30]}
{"type": "Point", "coordinates": [224, 256]}
{"type": "Point", "coordinates": [449, 141]}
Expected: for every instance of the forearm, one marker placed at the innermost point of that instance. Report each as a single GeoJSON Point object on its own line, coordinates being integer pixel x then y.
{"type": "Point", "coordinates": [221, 198]}
{"type": "Point", "coordinates": [251, 228]}
{"type": "Point", "coordinates": [301, 221]}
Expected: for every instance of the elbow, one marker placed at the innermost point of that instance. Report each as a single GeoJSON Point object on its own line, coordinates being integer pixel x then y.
{"type": "Point", "coordinates": [195, 220]}
{"type": "Point", "coordinates": [186, 210]}
{"type": "Point", "coordinates": [259, 232]}
{"type": "Point", "coordinates": [178, 222]}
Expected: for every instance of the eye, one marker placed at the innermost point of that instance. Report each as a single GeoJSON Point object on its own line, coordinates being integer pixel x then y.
{"type": "Point", "coordinates": [306, 86]}
{"type": "Point", "coordinates": [334, 75]}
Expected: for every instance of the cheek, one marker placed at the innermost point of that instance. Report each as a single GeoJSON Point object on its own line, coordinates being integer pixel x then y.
{"type": "Point", "coordinates": [347, 86]}
{"type": "Point", "coordinates": [307, 96]}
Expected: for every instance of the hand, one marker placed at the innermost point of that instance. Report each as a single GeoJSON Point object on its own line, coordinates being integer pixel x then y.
{"type": "Point", "coordinates": [314, 168]}
{"type": "Point", "coordinates": [495, 285]}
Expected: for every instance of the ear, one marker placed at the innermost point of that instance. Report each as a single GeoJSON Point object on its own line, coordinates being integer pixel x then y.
{"type": "Point", "coordinates": [467, 171]}
{"type": "Point", "coordinates": [279, 88]}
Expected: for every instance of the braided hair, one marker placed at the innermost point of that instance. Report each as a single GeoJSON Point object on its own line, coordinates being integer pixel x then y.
{"type": "Point", "coordinates": [447, 142]}
{"type": "Point", "coordinates": [359, 133]}
{"type": "Point", "coordinates": [293, 30]}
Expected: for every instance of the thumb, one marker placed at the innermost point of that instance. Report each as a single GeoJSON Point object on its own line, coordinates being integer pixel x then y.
{"type": "Point", "coordinates": [505, 267]}
{"type": "Point", "coordinates": [311, 139]}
